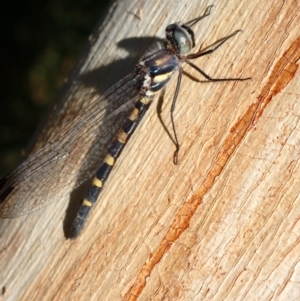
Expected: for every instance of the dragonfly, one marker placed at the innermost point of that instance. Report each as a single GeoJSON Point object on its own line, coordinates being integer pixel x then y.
{"type": "Point", "coordinates": [107, 124]}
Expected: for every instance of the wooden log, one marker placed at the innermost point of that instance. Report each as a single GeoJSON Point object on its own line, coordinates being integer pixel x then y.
{"type": "Point", "coordinates": [221, 225]}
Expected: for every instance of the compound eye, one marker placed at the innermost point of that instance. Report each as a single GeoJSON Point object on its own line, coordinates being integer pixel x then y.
{"type": "Point", "coordinates": [183, 39]}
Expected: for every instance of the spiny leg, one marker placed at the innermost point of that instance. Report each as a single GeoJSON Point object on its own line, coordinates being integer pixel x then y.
{"type": "Point", "coordinates": [194, 21]}
{"type": "Point", "coordinates": [187, 60]}
{"type": "Point", "coordinates": [176, 142]}
{"type": "Point", "coordinates": [217, 43]}
{"type": "Point", "coordinates": [177, 145]}
{"type": "Point", "coordinates": [215, 79]}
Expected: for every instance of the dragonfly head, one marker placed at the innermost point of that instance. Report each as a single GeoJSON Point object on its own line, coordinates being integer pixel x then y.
{"type": "Point", "coordinates": [180, 38]}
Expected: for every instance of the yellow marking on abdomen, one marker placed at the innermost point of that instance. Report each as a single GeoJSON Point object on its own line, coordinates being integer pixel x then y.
{"type": "Point", "coordinates": [145, 100]}
{"type": "Point", "coordinates": [97, 182]}
{"type": "Point", "coordinates": [122, 137]}
{"type": "Point", "coordinates": [109, 160]}
{"type": "Point", "coordinates": [134, 114]}
{"type": "Point", "coordinates": [87, 203]}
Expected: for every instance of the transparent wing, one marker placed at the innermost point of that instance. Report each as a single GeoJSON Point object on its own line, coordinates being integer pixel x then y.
{"type": "Point", "coordinates": [72, 157]}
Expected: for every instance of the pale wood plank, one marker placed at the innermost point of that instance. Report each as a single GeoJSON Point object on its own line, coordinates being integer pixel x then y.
{"type": "Point", "coordinates": [242, 241]}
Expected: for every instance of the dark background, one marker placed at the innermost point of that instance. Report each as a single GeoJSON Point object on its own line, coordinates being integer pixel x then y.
{"type": "Point", "coordinates": [40, 43]}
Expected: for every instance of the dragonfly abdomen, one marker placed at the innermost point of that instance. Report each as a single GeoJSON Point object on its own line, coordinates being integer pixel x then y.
{"type": "Point", "coordinates": [155, 70]}
{"type": "Point", "coordinates": [103, 172]}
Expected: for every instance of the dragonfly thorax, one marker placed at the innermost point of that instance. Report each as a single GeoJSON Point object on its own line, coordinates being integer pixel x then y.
{"type": "Point", "coordinates": [158, 67]}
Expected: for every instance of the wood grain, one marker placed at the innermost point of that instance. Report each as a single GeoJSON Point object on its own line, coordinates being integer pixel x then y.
{"type": "Point", "coordinates": [221, 225]}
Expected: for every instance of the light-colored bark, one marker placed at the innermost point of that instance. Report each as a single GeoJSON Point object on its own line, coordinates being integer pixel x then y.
{"type": "Point", "coordinates": [224, 224]}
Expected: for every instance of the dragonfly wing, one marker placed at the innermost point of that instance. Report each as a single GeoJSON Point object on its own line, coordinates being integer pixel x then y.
{"type": "Point", "coordinates": [72, 157]}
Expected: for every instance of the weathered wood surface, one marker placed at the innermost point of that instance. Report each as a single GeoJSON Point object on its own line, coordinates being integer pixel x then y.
{"type": "Point", "coordinates": [222, 225]}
